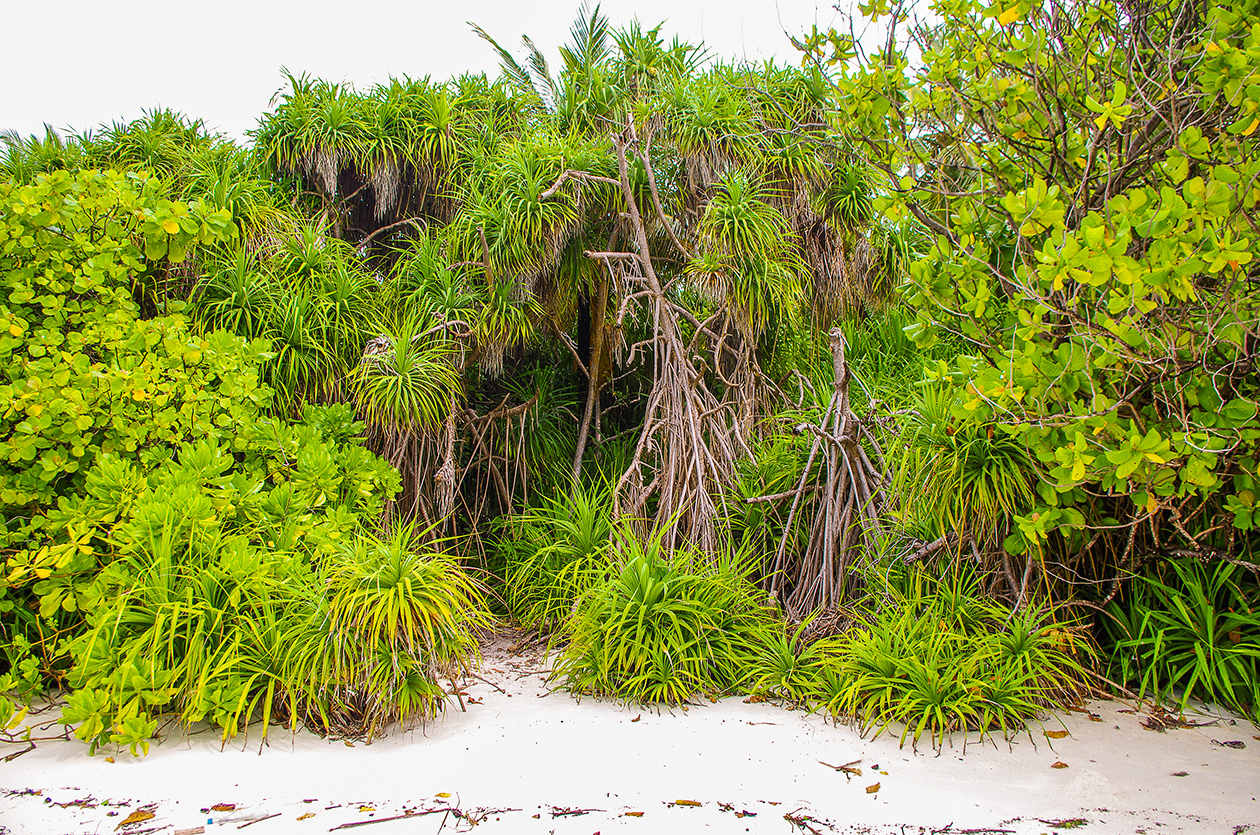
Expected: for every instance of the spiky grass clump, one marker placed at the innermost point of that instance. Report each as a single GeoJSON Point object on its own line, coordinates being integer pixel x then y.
{"type": "Point", "coordinates": [664, 628]}
{"type": "Point", "coordinates": [191, 629]}
{"type": "Point", "coordinates": [311, 297]}
{"type": "Point", "coordinates": [204, 627]}
{"type": "Point", "coordinates": [793, 668]}
{"type": "Point", "coordinates": [554, 554]}
{"type": "Point", "coordinates": [939, 658]}
{"type": "Point", "coordinates": [405, 381]}
{"type": "Point", "coordinates": [400, 616]}
{"type": "Point", "coordinates": [1192, 629]}
{"type": "Point", "coordinates": [773, 471]}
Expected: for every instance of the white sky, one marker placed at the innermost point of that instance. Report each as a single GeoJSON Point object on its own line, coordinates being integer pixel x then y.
{"type": "Point", "coordinates": [76, 64]}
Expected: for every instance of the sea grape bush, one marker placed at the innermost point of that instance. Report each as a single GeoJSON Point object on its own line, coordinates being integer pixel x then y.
{"type": "Point", "coordinates": [148, 496]}
{"type": "Point", "coordinates": [85, 376]}
{"type": "Point", "coordinates": [1088, 175]}
{"type": "Point", "coordinates": [83, 373]}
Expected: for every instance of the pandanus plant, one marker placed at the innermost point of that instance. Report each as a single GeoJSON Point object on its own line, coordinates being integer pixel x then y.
{"type": "Point", "coordinates": [26, 156]}
{"type": "Point", "coordinates": [406, 387]}
{"type": "Point", "coordinates": [747, 266]}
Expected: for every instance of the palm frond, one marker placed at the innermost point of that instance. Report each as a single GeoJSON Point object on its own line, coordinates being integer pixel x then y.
{"type": "Point", "coordinates": [543, 82]}
{"type": "Point", "coordinates": [590, 33]}
{"type": "Point", "coordinates": [517, 74]}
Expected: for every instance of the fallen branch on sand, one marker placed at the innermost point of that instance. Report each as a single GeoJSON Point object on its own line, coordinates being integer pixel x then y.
{"type": "Point", "coordinates": [408, 814]}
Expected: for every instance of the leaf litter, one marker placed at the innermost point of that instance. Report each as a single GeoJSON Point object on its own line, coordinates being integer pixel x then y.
{"type": "Point", "coordinates": [849, 770]}
{"type": "Point", "coordinates": [144, 813]}
{"type": "Point", "coordinates": [1161, 720]}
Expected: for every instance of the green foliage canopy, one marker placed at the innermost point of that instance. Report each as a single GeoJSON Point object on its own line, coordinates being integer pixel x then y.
{"type": "Point", "coordinates": [1088, 174]}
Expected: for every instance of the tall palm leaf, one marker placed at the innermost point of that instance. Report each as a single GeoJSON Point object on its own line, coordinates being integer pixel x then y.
{"type": "Point", "coordinates": [517, 75]}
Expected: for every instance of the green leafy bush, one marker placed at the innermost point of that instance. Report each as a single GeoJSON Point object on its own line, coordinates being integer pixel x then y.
{"type": "Point", "coordinates": [190, 627]}
{"type": "Point", "coordinates": [88, 381]}
{"type": "Point", "coordinates": [83, 373]}
{"type": "Point", "coordinates": [298, 488]}
{"type": "Point", "coordinates": [1105, 319]}
{"type": "Point", "coordinates": [1190, 630]}
{"type": "Point", "coordinates": [185, 578]}
{"type": "Point", "coordinates": [166, 539]}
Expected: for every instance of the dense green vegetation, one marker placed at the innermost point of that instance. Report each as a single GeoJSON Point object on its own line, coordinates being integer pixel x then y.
{"type": "Point", "coordinates": [915, 386]}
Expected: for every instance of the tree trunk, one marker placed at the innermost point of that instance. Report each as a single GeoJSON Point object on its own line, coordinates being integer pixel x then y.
{"type": "Point", "coordinates": [595, 372]}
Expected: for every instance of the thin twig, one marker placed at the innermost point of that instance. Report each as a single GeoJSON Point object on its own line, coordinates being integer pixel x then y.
{"type": "Point", "coordinates": [403, 816]}
{"type": "Point", "coordinates": [489, 682]}
{"type": "Point", "coordinates": [258, 820]}
{"type": "Point", "coordinates": [795, 491]}
{"type": "Point", "coordinates": [369, 238]}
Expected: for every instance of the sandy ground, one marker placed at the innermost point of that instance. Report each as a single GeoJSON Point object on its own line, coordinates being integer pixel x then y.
{"type": "Point", "coordinates": [521, 759]}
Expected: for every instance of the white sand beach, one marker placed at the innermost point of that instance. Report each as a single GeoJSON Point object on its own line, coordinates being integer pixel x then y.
{"type": "Point", "coordinates": [518, 758]}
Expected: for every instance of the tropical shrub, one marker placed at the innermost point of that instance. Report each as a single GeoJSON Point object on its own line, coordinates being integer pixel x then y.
{"type": "Point", "coordinates": [392, 616]}
{"type": "Point", "coordinates": [88, 381]}
{"type": "Point", "coordinates": [665, 627]}
{"type": "Point", "coordinates": [938, 657]}
{"type": "Point", "coordinates": [83, 372]}
{"type": "Point", "coordinates": [794, 667]}
{"type": "Point", "coordinates": [1189, 630]}
{"type": "Point", "coordinates": [203, 626]}
{"type": "Point", "coordinates": [961, 474]}
{"type": "Point", "coordinates": [554, 553]}
{"type": "Point", "coordinates": [190, 625]}
{"type": "Point", "coordinates": [158, 525]}
{"type": "Point", "coordinates": [1109, 320]}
